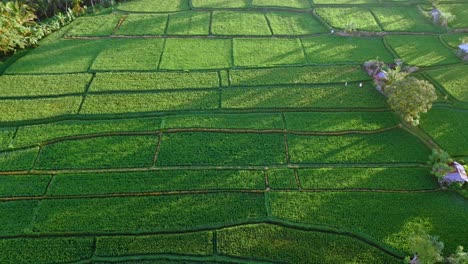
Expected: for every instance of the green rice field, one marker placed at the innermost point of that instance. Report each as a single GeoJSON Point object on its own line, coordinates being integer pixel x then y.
{"type": "Point", "coordinates": [229, 131]}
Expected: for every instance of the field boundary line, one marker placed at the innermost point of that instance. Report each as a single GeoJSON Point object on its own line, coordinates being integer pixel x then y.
{"type": "Point", "coordinates": [205, 130]}
{"type": "Point", "coordinates": [158, 148]}
{"type": "Point", "coordinates": [214, 167]}
{"type": "Point", "coordinates": [219, 227]}
{"type": "Point", "coordinates": [119, 24]}
{"type": "Point", "coordinates": [212, 191]}
{"type": "Point", "coordinates": [86, 92]}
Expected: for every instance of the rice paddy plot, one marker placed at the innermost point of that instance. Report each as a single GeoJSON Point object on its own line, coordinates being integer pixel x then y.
{"type": "Point", "coordinates": [37, 134]}
{"type": "Point", "coordinates": [240, 23]}
{"type": "Point", "coordinates": [18, 159]}
{"type": "Point", "coordinates": [294, 24]}
{"type": "Point", "coordinates": [6, 135]}
{"type": "Point", "coordinates": [46, 250]}
{"type": "Point", "coordinates": [217, 149]}
{"type": "Point", "coordinates": [344, 2]}
{"type": "Point", "coordinates": [189, 23]}
{"type": "Point", "coordinates": [30, 109]}
{"type": "Point", "coordinates": [454, 80]}
{"type": "Point", "coordinates": [150, 102]}
{"type": "Point", "coordinates": [461, 14]}
{"type": "Point", "coordinates": [60, 56]}
{"type": "Point", "coordinates": [197, 243]}
{"type": "Point", "coordinates": [129, 54]}
{"type": "Point", "coordinates": [334, 49]}
{"type": "Point", "coordinates": [155, 181]}
{"type": "Point", "coordinates": [301, 4]}
{"type": "Point", "coordinates": [404, 19]}
{"type": "Point", "coordinates": [143, 25]}
{"type": "Point", "coordinates": [227, 121]}
{"type": "Point", "coordinates": [150, 213]}
{"type": "Point", "coordinates": [330, 96]}
{"type": "Point", "coordinates": [422, 50]}
{"type": "Point", "coordinates": [289, 245]}
{"type": "Point", "coordinates": [367, 178]}
{"type": "Point", "coordinates": [23, 185]}
{"type": "Point", "coordinates": [282, 179]}
{"type": "Point", "coordinates": [156, 6]}
{"type": "Point", "coordinates": [449, 128]}
{"type": "Point", "coordinates": [37, 85]}
{"type": "Point", "coordinates": [454, 40]}
{"type": "Point", "coordinates": [15, 218]}
{"type": "Point", "coordinates": [91, 26]}
{"type": "Point", "coordinates": [267, 52]}
{"type": "Point", "coordinates": [298, 75]}
{"type": "Point", "coordinates": [220, 3]}
{"type": "Point", "coordinates": [188, 54]}
{"type": "Point", "coordinates": [400, 211]}
{"type": "Point", "coordinates": [341, 18]}
{"type": "Point", "coordinates": [339, 121]}
{"type": "Point", "coordinates": [144, 81]}
{"type": "Point", "coordinates": [99, 152]}
{"type": "Point", "coordinates": [354, 148]}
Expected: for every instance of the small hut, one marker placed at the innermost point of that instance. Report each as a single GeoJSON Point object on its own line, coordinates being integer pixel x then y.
{"type": "Point", "coordinates": [436, 14]}
{"type": "Point", "coordinates": [463, 51]}
{"type": "Point", "coordinates": [457, 175]}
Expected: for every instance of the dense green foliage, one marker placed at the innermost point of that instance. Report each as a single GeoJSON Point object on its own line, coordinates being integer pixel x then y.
{"type": "Point", "coordinates": [373, 148]}
{"type": "Point", "coordinates": [29, 185]}
{"type": "Point", "coordinates": [296, 246]}
{"type": "Point", "coordinates": [453, 79]}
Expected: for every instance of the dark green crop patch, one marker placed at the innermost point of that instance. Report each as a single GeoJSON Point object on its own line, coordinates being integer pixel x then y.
{"type": "Point", "coordinates": [100, 152]}
{"type": "Point", "coordinates": [192, 149]}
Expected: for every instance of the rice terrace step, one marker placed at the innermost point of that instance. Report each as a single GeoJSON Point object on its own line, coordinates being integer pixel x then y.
{"type": "Point", "coordinates": [240, 131]}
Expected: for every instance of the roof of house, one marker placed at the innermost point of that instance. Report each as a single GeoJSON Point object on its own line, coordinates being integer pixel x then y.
{"type": "Point", "coordinates": [464, 47]}
{"type": "Point", "coordinates": [457, 175]}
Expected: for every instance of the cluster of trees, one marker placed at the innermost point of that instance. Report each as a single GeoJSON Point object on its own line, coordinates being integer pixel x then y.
{"type": "Point", "coordinates": [24, 22]}
{"type": "Point", "coordinates": [428, 249]}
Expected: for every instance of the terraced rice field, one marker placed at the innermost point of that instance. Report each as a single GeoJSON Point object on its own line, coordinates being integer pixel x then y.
{"type": "Point", "coordinates": [237, 131]}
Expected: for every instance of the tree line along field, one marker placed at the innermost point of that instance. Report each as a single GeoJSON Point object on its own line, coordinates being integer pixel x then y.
{"type": "Point", "coordinates": [241, 131]}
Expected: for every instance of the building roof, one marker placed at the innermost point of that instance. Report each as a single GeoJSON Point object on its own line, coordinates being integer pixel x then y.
{"type": "Point", "coordinates": [457, 175]}
{"type": "Point", "coordinates": [464, 47]}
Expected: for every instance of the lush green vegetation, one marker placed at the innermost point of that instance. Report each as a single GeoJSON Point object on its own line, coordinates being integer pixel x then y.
{"type": "Point", "coordinates": [360, 18]}
{"type": "Point", "coordinates": [101, 152]}
{"type": "Point", "coordinates": [143, 25]}
{"type": "Point", "coordinates": [150, 213]}
{"type": "Point", "coordinates": [102, 25]}
{"type": "Point", "coordinates": [208, 131]}
{"type": "Point", "coordinates": [404, 19]}
{"type": "Point", "coordinates": [163, 101]}
{"type": "Point", "coordinates": [25, 109]}
{"type": "Point", "coordinates": [297, 75]}
{"type": "Point", "coordinates": [449, 128]}
{"type": "Point", "coordinates": [285, 23]}
{"type": "Point", "coordinates": [186, 149]}
{"type": "Point", "coordinates": [267, 52]}
{"type": "Point", "coordinates": [367, 178]}
{"type": "Point", "coordinates": [296, 246]}
{"type": "Point", "coordinates": [133, 81]}
{"type": "Point", "coordinates": [442, 212]}
{"type": "Point", "coordinates": [190, 23]}
{"type": "Point", "coordinates": [330, 49]}
{"type": "Point", "coordinates": [187, 54]}
{"type": "Point", "coordinates": [45, 250]}
{"type": "Point", "coordinates": [422, 50]}
{"type": "Point", "coordinates": [29, 185]}
{"type": "Point", "coordinates": [240, 23]}
{"type": "Point", "coordinates": [26, 85]}
{"type": "Point", "coordinates": [184, 244]}
{"type": "Point", "coordinates": [335, 96]}
{"type": "Point", "coordinates": [339, 121]}
{"type": "Point", "coordinates": [373, 148]}
{"type": "Point", "coordinates": [154, 6]}
{"type": "Point", "coordinates": [155, 181]}
{"type": "Point", "coordinates": [453, 79]}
